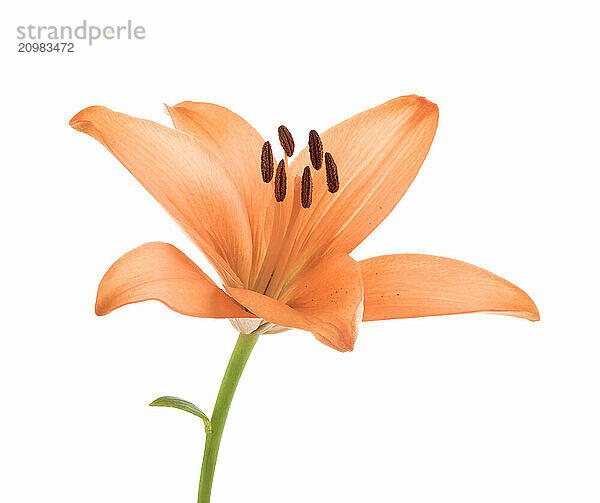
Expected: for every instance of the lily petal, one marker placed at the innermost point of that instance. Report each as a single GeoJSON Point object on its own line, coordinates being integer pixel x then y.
{"type": "Point", "coordinates": [378, 153]}
{"type": "Point", "coordinates": [239, 145]}
{"type": "Point", "coordinates": [186, 178]}
{"type": "Point", "coordinates": [414, 285]}
{"type": "Point", "coordinates": [325, 299]}
{"type": "Point", "coordinates": [160, 271]}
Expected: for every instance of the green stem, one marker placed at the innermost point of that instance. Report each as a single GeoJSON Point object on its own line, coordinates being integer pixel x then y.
{"type": "Point", "coordinates": [237, 362]}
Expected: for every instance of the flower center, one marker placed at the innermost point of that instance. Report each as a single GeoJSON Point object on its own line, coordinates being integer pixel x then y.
{"type": "Point", "coordinates": [315, 149]}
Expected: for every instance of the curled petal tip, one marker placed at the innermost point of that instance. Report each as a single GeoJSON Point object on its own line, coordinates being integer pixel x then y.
{"type": "Point", "coordinates": [86, 119]}
{"type": "Point", "coordinates": [345, 341]}
{"type": "Point", "coordinates": [83, 118]}
{"type": "Point", "coordinates": [347, 348]}
{"type": "Point", "coordinates": [343, 346]}
{"type": "Point", "coordinates": [421, 100]}
{"type": "Point", "coordinates": [534, 314]}
{"type": "Point", "coordinates": [530, 315]}
{"type": "Point", "coordinates": [79, 124]}
{"type": "Point", "coordinates": [423, 104]}
{"type": "Point", "coordinates": [102, 306]}
{"type": "Point", "coordinates": [529, 310]}
{"type": "Point", "coordinates": [99, 309]}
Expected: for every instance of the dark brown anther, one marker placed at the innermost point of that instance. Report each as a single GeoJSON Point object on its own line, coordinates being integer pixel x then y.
{"type": "Point", "coordinates": [286, 140]}
{"type": "Point", "coordinates": [307, 185]}
{"type": "Point", "coordinates": [333, 181]}
{"type": "Point", "coordinates": [267, 164]}
{"type": "Point", "coordinates": [280, 182]}
{"type": "Point", "coordinates": [315, 148]}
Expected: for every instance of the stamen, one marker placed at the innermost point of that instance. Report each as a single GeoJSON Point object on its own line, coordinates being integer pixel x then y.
{"type": "Point", "coordinates": [267, 164]}
{"type": "Point", "coordinates": [333, 181]}
{"type": "Point", "coordinates": [280, 182]}
{"type": "Point", "coordinates": [307, 185]}
{"type": "Point", "coordinates": [286, 140]}
{"type": "Point", "coordinates": [315, 148]}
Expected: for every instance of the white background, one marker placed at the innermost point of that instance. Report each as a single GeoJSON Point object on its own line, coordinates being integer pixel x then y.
{"type": "Point", "coordinates": [463, 409]}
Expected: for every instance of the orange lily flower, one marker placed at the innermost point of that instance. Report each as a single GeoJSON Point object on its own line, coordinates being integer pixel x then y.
{"type": "Point", "coordinates": [280, 238]}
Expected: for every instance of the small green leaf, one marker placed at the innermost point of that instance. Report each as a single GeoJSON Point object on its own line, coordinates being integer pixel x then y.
{"type": "Point", "coordinates": [179, 403]}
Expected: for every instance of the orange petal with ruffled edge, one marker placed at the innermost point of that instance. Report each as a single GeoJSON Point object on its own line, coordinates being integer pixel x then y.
{"type": "Point", "coordinates": [186, 178]}
{"type": "Point", "coordinates": [160, 271]}
{"type": "Point", "coordinates": [325, 299]}
{"type": "Point", "coordinates": [240, 147]}
{"type": "Point", "coordinates": [414, 285]}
